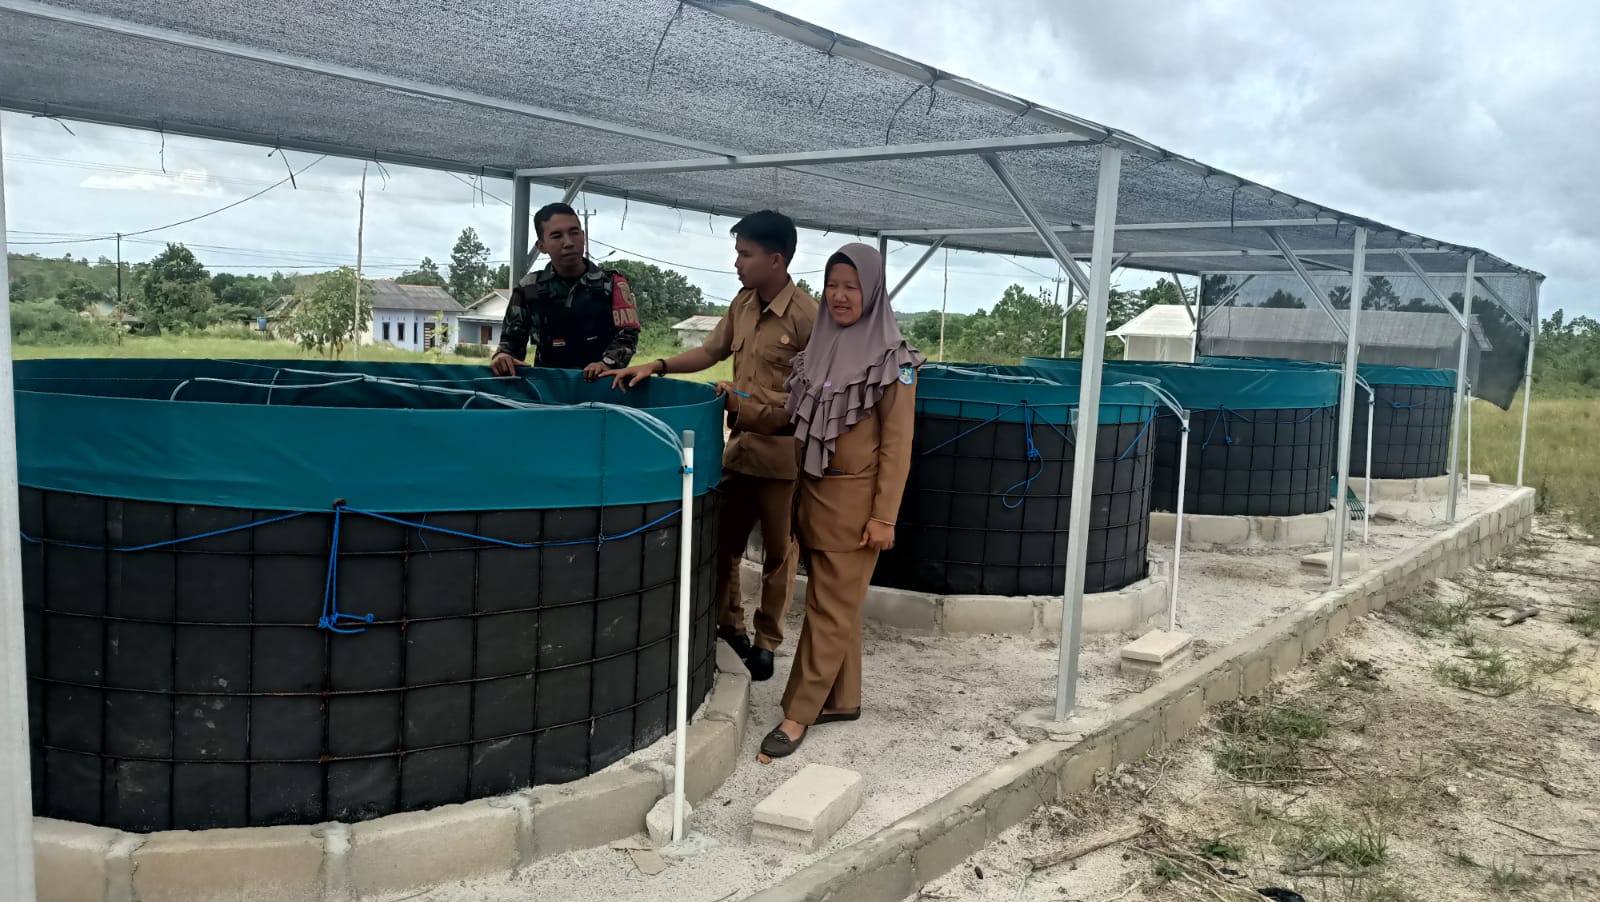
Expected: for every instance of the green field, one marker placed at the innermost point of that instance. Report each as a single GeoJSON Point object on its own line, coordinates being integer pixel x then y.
{"type": "Point", "coordinates": [1563, 450]}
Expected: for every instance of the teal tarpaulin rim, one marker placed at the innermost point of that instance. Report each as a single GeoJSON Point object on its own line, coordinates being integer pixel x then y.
{"type": "Point", "coordinates": [105, 427]}
{"type": "Point", "coordinates": [1009, 392]}
{"type": "Point", "coordinates": [1214, 387]}
{"type": "Point", "coordinates": [1374, 373]}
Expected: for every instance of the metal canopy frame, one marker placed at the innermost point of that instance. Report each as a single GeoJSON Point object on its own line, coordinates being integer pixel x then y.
{"type": "Point", "coordinates": [1233, 243]}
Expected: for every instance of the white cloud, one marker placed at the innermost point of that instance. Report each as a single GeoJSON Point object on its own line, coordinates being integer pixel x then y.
{"type": "Point", "coordinates": [186, 182]}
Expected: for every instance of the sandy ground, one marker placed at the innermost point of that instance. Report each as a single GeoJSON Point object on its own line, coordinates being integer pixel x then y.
{"type": "Point", "coordinates": [1474, 795]}
{"type": "Point", "coordinates": [938, 713]}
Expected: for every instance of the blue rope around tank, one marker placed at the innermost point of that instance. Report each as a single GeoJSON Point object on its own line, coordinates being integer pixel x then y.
{"type": "Point", "coordinates": [1031, 450]}
{"type": "Point", "coordinates": [331, 617]}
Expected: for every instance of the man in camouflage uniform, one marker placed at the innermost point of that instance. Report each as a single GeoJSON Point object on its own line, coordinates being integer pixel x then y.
{"type": "Point", "coordinates": [577, 315]}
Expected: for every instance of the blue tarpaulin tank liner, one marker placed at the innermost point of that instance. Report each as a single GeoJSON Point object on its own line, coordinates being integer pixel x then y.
{"type": "Point", "coordinates": [987, 501]}
{"type": "Point", "coordinates": [1261, 439]}
{"type": "Point", "coordinates": [1410, 422]}
{"type": "Point", "coordinates": [214, 641]}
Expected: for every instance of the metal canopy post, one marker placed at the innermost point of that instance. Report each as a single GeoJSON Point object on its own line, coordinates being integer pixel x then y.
{"type": "Point", "coordinates": [1527, 380]}
{"type": "Point", "coordinates": [1094, 345]}
{"type": "Point", "coordinates": [16, 794]}
{"type": "Point", "coordinates": [917, 266]}
{"type": "Point", "coordinates": [1366, 481]}
{"type": "Point", "coordinates": [1347, 408]}
{"type": "Point", "coordinates": [521, 199]}
{"type": "Point", "coordinates": [1305, 276]}
{"type": "Point", "coordinates": [1461, 387]}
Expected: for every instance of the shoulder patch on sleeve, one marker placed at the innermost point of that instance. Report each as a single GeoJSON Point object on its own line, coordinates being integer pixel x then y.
{"type": "Point", "coordinates": [908, 375]}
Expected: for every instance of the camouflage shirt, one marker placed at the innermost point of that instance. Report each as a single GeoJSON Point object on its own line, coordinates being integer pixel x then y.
{"type": "Point", "coordinates": [571, 324]}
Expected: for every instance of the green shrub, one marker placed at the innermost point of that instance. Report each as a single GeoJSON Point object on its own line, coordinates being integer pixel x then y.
{"type": "Point", "coordinates": [46, 323]}
{"type": "Point", "coordinates": [470, 350]}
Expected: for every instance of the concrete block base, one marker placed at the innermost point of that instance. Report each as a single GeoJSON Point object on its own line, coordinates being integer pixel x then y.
{"type": "Point", "coordinates": [923, 613]}
{"type": "Point", "coordinates": [808, 808]}
{"type": "Point", "coordinates": [1429, 489]}
{"type": "Point", "coordinates": [1156, 653]}
{"type": "Point", "coordinates": [1321, 561]}
{"type": "Point", "coordinates": [1204, 532]}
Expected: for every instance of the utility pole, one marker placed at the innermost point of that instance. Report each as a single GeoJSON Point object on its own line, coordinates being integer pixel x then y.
{"type": "Point", "coordinates": [361, 226]}
{"type": "Point", "coordinates": [119, 272]}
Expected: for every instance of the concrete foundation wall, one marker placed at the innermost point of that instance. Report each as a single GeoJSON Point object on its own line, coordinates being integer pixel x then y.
{"type": "Point", "coordinates": [395, 854]}
{"type": "Point", "coordinates": [902, 858]}
{"type": "Point", "coordinates": [1204, 532]}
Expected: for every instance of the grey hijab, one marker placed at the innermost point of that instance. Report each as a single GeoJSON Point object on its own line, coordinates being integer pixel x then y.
{"type": "Point", "coordinates": [843, 371]}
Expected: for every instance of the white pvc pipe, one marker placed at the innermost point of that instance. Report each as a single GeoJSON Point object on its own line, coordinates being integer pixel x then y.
{"type": "Point", "coordinates": [685, 625]}
{"type": "Point", "coordinates": [16, 792]}
{"type": "Point", "coordinates": [1177, 540]}
{"type": "Point", "coordinates": [1347, 403]}
{"type": "Point", "coordinates": [1466, 488]}
{"type": "Point", "coordinates": [1366, 520]}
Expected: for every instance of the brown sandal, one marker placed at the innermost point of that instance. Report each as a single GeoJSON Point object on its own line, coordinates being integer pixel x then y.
{"type": "Point", "coordinates": [777, 744]}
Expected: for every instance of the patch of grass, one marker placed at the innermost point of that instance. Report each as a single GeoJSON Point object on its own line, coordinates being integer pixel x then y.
{"type": "Point", "coordinates": [1586, 619]}
{"type": "Point", "coordinates": [1551, 664]}
{"type": "Point", "coordinates": [1510, 879]}
{"type": "Point", "coordinates": [1429, 616]}
{"type": "Point", "coordinates": [1169, 871]}
{"type": "Point", "coordinates": [1365, 845]}
{"type": "Point", "coordinates": [1379, 891]}
{"type": "Point", "coordinates": [1265, 743]}
{"type": "Point", "coordinates": [1486, 669]}
{"type": "Point", "coordinates": [1562, 436]}
{"type": "Point", "coordinates": [1222, 851]}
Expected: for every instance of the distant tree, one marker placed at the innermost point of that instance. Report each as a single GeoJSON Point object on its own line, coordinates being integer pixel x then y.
{"type": "Point", "coordinates": [469, 268]}
{"type": "Point", "coordinates": [663, 296]}
{"type": "Point", "coordinates": [248, 295]}
{"type": "Point", "coordinates": [501, 277]}
{"type": "Point", "coordinates": [21, 289]}
{"type": "Point", "coordinates": [1283, 300]}
{"type": "Point", "coordinates": [79, 295]}
{"type": "Point", "coordinates": [324, 319]}
{"type": "Point", "coordinates": [426, 273]}
{"type": "Point", "coordinates": [175, 291]}
{"type": "Point", "coordinates": [1021, 324]}
{"type": "Point", "coordinates": [805, 286]}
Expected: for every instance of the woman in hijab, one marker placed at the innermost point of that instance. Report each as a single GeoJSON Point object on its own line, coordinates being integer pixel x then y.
{"type": "Point", "coordinates": [851, 397]}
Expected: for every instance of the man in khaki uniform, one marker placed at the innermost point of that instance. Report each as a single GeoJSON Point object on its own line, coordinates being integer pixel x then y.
{"type": "Point", "coordinates": [767, 324]}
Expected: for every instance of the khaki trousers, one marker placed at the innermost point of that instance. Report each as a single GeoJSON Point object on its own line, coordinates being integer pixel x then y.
{"type": "Point", "coordinates": [748, 501]}
{"type": "Point", "coordinates": [827, 665]}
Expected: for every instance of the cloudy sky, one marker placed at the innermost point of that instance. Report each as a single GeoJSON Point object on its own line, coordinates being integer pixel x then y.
{"type": "Point", "coordinates": [1472, 122]}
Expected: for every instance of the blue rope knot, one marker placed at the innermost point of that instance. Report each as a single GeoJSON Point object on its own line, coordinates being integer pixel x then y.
{"type": "Point", "coordinates": [331, 615]}
{"type": "Point", "coordinates": [1032, 456]}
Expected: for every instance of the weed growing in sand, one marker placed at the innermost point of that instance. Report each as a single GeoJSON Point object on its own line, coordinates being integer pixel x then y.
{"type": "Point", "coordinates": [1429, 616]}
{"type": "Point", "coordinates": [1365, 845]}
{"type": "Point", "coordinates": [1586, 619]}
{"type": "Point", "coordinates": [1221, 850]}
{"type": "Point", "coordinates": [1485, 669]}
{"type": "Point", "coordinates": [1264, 743]}
{"type": "Point", "coordinates": [1509, 879]}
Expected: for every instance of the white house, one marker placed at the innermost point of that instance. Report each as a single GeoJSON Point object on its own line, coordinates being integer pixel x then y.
{"type": "Point", "coordinates": [694, 331]}
{"type": "Point", "coordinates": [413, 317]}
{"type": "Point", "coordinates": [481, 321]}
{"type": "Point", "coordinates": [1163, 333]}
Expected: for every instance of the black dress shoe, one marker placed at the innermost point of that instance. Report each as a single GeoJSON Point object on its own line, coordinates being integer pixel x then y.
{"type": "Point", "coordinates": [741, 646]}
{"type": "Point", "coordinates": [759, 663]}
{"type": "Point", "coordinates": [777, 744]}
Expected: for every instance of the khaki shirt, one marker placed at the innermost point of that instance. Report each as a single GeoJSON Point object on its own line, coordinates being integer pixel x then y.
{"type": "Point", "coordinates": [866, 478]}
{"type": "Point", "coordinates": [763, 344]}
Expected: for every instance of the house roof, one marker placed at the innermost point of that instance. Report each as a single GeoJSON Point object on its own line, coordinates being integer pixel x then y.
{"type": "Point", "coordinates": [388, 294]}
{"type": "Point", "coordinates": [1379, 328]}
{"type": "Point", "coordinates": [490, 307]}
{"type": "Point", "coordinates": [698, 324]}
{"type": "Point", "coordinates": [1158, 321]}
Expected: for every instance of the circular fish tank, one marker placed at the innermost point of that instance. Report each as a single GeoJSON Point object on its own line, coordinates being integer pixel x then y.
{"type": "Point", "coordinates": [1411, 420]}
{"type": "Point", "coordinates": [1262, 440]}
{"type": "Point", "coordinates": [1410, 423]}
{"type": "Point", "coordinates": [271, 592]}
{"type": "Point", "coordinates": [987, 501]}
